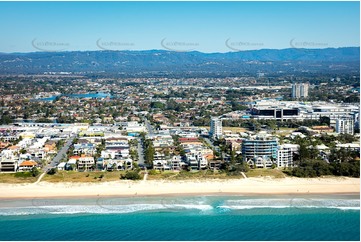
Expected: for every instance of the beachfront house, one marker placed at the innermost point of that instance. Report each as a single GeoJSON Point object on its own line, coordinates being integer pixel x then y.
{"type": "Point", "coordinates": [8, 160]}
{"type": "Point", "coordinates": [100, 164]}
{"type": "Point", "coordinates": [84, 148]}
{"type": "Point", "coordinates": [71, 165]}
{"type": "Point", "coordinates": [86, 163]}
{"type": "Point", "coordinates": [8, 165]}
{"type": "Point", "coordinates": [61, 166]}
{"type": "Point", "coordinates": [196, 161]}
{"type": "Point", "coordinates": [27, 165]}
{"type": "Point", "coordinates": [175, 162]}
{"type": "Point", "coordinates": [160, 165]}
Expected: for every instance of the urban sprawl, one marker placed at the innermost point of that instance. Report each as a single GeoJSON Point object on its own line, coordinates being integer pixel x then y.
{"type": "Point", "coordinates": [147, 126]}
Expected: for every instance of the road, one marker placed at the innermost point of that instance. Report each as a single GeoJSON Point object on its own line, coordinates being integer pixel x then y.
{"type": "Point", "coordinates": [60, 154]}
{"type": "Point", "coordinates": [216, 148]}
{"type": "Point", "coordinates": [141, 158]}
{"type": "Point", "coordinates": [58, 157]}
{"type": "Point", "coordinates": [149, 127]}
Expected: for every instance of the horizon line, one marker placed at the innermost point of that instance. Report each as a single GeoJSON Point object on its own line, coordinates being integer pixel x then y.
{"type": "Point", "coordinates": [175, 51]}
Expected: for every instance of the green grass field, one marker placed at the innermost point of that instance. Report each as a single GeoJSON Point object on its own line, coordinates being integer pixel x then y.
{"type": "Point", "coordinates": [19, 177]}
{"type": "Point", "coordinates": [75, 176]}
{"type": "Point", "coordinates": [274, 173]}
{"type": "Point", "coordinates": [232, 129]}
{"type": "Point", "coordinates": [285, 131]}
{"type": "Point", "coordinates": [100, 176]}
{"type": "Point", "coordinates": [207, 174]}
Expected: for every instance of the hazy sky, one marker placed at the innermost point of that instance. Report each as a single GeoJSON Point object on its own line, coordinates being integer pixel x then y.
{"type": "Point", "coordinates": [202, 26]}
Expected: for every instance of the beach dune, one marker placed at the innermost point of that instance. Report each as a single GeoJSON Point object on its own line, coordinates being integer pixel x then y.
{"type": "Point", "coordinates": [184, 187]}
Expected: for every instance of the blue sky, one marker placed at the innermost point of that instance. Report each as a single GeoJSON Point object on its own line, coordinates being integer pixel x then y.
{"type": "Point", "coordinates": [202, 26]}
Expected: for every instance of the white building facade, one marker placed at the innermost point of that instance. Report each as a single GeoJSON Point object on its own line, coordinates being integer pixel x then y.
{"type": "Point", "coordinates": [344, 126]}
{"type": "Point", "coordinates": [300, 90]}
{"type": "Point", "coordinates": [216, 128]}
{"type": "Point", "coordinates": [285, 154]}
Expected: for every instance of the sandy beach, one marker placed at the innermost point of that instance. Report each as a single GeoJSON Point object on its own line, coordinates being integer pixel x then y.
{"type": "Point", "coordinates": [340, 185]}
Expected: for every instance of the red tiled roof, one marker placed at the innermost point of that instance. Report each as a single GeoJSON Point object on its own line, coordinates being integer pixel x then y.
{"type": "Point", "coordinates": [74, 157]}
{"type": "Point", "coordinates": [28, 163]}
{"type": "Point", "coordinates": [188, 140]}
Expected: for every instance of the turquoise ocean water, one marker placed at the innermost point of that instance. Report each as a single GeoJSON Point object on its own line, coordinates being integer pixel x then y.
{"type": "Point", "coordinates": [82, 95]}
{"type": "Point", "coordinates": [183, 218]}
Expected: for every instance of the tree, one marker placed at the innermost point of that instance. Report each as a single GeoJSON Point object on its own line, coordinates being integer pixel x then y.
{"type": "Point", "coordinates": [236, 106]}
{"type": "Point", "coordinates": [233, 156]}
{"type": "Point", "coordinates": [244, 166]}
{"type": "Point", "coordinates": [72, 167]}
{"type": "Point", "coordinates": [34, 171]}
{"type": "Point", "coordinates": [352, 99]}
{"type": "Point", "coordinates": [272, 125]}
{"type": "Point", "coordinates": [325, 120]}
{"type": "Point", "coordinates": [131, 175]}
{"type": "Point", "coordinates": [22, 151]}
{"type": "Point", "coordinates": [135, 165]}
{"type": "Point", "coordinates": [341, 155]}
{"type": "Point", "coordinates": [322, 168]}
{"type": "Point", "coordinates": [5, 119]}
{"type": "Point", "coordinates": [171, 105]}
{"type": "Point", "coordinates": [52, 171]}
{"type": "Point", "coordinates": [182, 152]}
{"type": "Point", "coordinates": [312, 168]}
{"type": "Point", "coordinates": [159, 105]}
{"type": "Point", "coordinates": [256, 126]}
{"type": "Point", "coordinates": [216, 153]}
{"type": "Point", "coordinates": [346, 138]}
{"type": "Point", "coordinates": [43, 120]}
{"type": "Point", "coordinates": [303, 152]}
{"type": "Point", "coordinates": [149, 152]}
{"type": "Point", "coordinates": [235, 169]}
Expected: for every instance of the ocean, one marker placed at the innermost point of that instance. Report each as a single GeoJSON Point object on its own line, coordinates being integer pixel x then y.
{"type": "Point", "coordinates": [176, 218]}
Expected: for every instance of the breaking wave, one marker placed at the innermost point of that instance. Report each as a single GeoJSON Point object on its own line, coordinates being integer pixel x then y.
{"type": "Point", "coordinates": [300, 203]}
{"type": "Point", "coordinates": [96, 209]}
{"type": "Point", "coordinates": [201, 205]}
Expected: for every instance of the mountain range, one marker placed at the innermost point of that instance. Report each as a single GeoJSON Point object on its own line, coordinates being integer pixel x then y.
{"type": "Point", "coordinates": [164, 62]}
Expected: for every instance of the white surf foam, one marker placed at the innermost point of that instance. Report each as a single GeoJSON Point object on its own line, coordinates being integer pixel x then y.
{"type": "Point", "coordinates": [112, 207]}
{"type": "Point", "coordinates": [96, 209]}
{"type": "Point", "coordinates": [343, 204]}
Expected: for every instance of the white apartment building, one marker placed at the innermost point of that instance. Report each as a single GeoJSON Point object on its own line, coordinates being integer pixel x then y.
{"type": "Point", "coordinates": [86, 163]}
{"type": "Point", "coordinates": [196, 161]}
{"type": "Point", "coordinates": [260, 151]}
{"type": "Point", "coordinates": [344, 126]}
{"type": "Point", "coordinates": [300, 90]}
{"type": "Point", "coordinates": [216, 128]}
{"type": "Point", "coordinates": [8, 160]}
{"type": "Point", "coordinates": [285, 154]}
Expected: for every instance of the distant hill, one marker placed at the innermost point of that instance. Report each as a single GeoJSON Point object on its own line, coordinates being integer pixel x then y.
{"type": "Point", "coordinates": [293, 60]}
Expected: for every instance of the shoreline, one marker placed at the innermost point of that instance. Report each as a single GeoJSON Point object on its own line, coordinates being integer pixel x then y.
{"type": "Point", "coordinates": [153, 188]}
{"type": "Point", "coordinates": [170, 195]}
